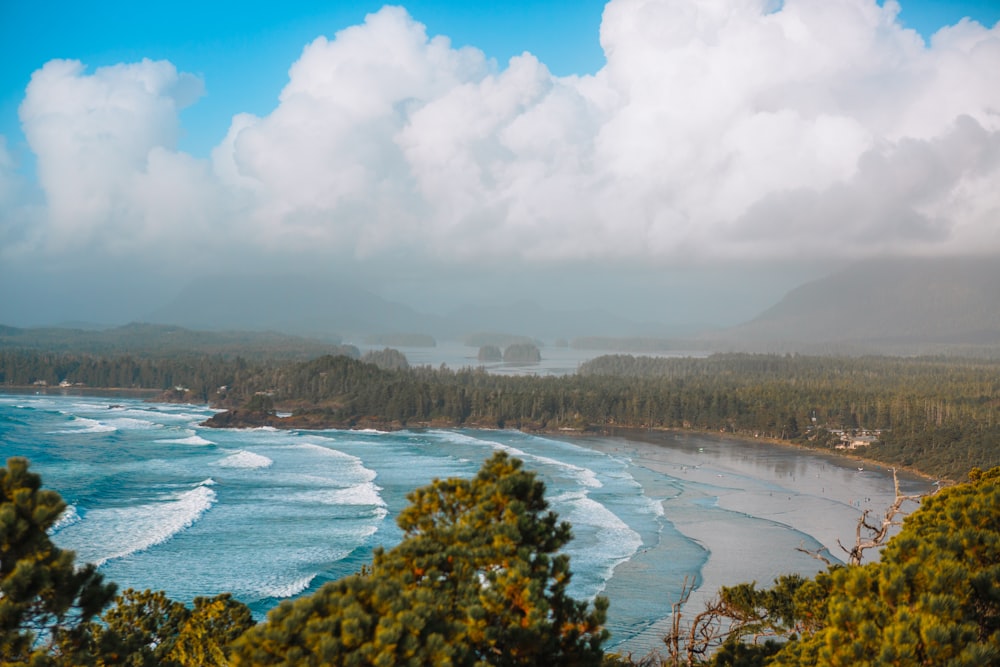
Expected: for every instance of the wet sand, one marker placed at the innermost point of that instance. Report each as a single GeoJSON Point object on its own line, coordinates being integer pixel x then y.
{"type": "Point", "coordinates": [787, 490]}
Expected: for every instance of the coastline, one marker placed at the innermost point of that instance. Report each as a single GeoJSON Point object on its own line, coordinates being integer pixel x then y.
{"type": "Point", "coordinates": [638, 434]}
{"type": "Point", "coordinates": [119, 392]}
{"type": "Point", "coordinates": [790, 489]}
{"type": "Point", "coordinates": [236, 418]}
{"type": "Point", "coordinates": [729, 474]}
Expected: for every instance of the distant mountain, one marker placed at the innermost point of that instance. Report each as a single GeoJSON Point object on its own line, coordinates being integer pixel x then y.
{"type": "Point", "coordinates": [331, 309]}
{"type": "Point", "coordinates": [290, 304]}
{"type": "Point", "coordinates": [160, 340]}
{"type": "Point", "coordinates": [889, 305]}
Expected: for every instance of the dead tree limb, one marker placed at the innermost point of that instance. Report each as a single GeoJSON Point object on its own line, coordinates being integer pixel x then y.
{"type": "Point", "coordinates": [877, 534]}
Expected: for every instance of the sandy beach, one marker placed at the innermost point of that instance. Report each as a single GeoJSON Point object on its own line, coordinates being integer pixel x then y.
{"type": "Point", "coordinates": [798, 498]}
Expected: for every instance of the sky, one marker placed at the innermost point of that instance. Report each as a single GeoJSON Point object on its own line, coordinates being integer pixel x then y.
{"type": "Point", "coordinates": [689, 159]}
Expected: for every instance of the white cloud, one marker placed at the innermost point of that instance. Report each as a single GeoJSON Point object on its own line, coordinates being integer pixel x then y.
{"type": "Point", "coordinates": [105, 155]}
{"type": "Point", "coordinates": [718, 128]}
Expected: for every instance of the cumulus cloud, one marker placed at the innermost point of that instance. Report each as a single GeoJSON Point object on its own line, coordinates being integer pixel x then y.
{"type": "Point", "coordinates": [106, 158]}
{"type": "Point", "coordinates": [718, 128]}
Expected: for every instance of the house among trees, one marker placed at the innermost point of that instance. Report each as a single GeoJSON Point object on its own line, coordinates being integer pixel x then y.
{"type": "Point", "coordinates": [860, 439]}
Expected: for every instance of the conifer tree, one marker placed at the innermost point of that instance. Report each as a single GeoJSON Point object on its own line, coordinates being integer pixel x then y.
{"type": "Point", "coordinates": [46, 602]}
{"type": "Point", "coordinates": [148, 629]}
{"type": "Point", "coordinates": [476, 580]}
{"type": "Point", "coordinates": [932, 599]}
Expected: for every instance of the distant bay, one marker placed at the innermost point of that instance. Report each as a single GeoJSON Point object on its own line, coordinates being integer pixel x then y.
{"type": "Point", "coordinates": [161, 502]}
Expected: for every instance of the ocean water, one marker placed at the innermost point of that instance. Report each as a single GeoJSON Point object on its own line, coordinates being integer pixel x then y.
{"type": "Point", "coordinates": [159, 502]}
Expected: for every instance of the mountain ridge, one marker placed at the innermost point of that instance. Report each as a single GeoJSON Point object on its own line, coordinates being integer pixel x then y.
{"type": "Point", "coordinates": [886, 302]}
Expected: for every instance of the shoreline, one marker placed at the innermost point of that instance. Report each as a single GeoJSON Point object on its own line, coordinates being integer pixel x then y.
{"type": "Point", "coordinates": [731, 475]}
{"type": "Point", "coordinates": [97, 392]}
{"type": "Point", "coordinates": [235, 418]}
{"type": "Point", "coordinates": [820, 495]}
{"type": "Point", "coordinates": [635, 434]}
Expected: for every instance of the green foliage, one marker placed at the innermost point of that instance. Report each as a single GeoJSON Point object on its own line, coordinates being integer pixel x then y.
{"type": "Point", "coordinates": [261, 404]}
{"type": "Point", "coordinates": [147, 629]}
{"type": "Point", "coordinates": [522, 353]}
{"type": "Point", "coordinates": [489, 353]}
{"type": "Point", "coordinates": [933, 598]}
{"type": "Point", "coordinates": [46, 602]}
{"type": "Point", "coordinates": [476, 580]}
{"type": "Point", "coordinates": [387, 359]}
{"type": "Point", "coordinates": [49, 606]}
{"type": "Point", "coordinates": [939, 415]}
{"type": "Point", "coordinates": [163, 341]}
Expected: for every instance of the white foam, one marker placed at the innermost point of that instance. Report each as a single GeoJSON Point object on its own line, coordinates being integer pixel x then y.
{"type": "Point", "coordinates": [87, 426]}
{"type": "Point", "coordinates": [286, 589]}
{"type": "Point", "coordinates": [360, 494]}
{"type": "Point", "coordinates": [111, 533]}
{"type": "Point", "coordinates": [585, 476]}
{"type": "Point", "coordinates": [350, 465]}
{"type": "Point", "coordinates": [190, 440]}
{"type": "Point", "coordinates": [245, 460]}
{"type": "Point", "coordinates": [132, 424]}
{"type": "Point", "coordinates": [67, 518]}
{"type": "Point", "coordinates": [613, 540]}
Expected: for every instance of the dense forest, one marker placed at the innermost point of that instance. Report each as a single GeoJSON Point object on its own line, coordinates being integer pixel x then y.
{"type": "Point", "coordinates": [939, 415]}
{"type": "Point", "coordinates": [160, 341]}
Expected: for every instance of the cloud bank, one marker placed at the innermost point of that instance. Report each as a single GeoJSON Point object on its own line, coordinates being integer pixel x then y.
{"type": "Point", "coordinates": [718, 129]}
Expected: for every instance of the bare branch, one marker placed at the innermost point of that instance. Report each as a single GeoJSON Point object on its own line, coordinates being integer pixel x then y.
{"type": "Point", "coordinates": [877, 534]}
{"type": "Point", "coordinates": [816, 553]}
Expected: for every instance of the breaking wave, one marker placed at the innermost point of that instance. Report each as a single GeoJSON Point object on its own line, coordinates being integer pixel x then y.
{"type": "Point", "coordinates": [107, 534]}
{"type": "Point", "coordinates": [245, 460]}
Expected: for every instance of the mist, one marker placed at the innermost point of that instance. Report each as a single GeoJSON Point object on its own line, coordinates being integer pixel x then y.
{"type": "Point", "coordinates": [726, 153]}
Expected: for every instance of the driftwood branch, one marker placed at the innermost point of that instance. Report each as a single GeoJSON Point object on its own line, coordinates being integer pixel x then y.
{"type": "Point", "coordinates": [815, 553]}
{"type": "Point", "coordinates": [877, 533]}
{"type": "Point", "coordinates": [869, 534]}
{"type": "Point", "coordinates": [725, 616]}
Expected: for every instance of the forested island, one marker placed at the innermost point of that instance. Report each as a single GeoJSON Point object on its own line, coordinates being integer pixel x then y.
{"type": "Point", "coordinates": [937, 415]}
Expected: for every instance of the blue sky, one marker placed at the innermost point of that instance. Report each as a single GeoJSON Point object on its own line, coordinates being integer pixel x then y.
{"type": "Point", "coordinates": [243, 49]}
{"type": "Point", "coordinates": [777, 140]}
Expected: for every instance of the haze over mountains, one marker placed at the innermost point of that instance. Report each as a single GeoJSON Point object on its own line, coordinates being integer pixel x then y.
{"type": "Point", "coordinates": [340, 309]}
{"type": "Point", "coordinates": [879, 306]}
{"type": "Point", "coordinates": [885, 305]}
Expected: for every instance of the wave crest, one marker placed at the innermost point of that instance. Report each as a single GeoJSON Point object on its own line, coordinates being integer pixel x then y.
{"type": "Point", "coordinates": [245, 460]}
{"type": "Point", "coordinates": [108, 534]}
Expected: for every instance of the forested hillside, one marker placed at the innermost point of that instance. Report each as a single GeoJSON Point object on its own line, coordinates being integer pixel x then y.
{"type": "Point", "coordinates": [163, 342]}
{"type": "Point", "coordinates": [940, 416]}
{"type": "Point", "coordinates": [937, 415]}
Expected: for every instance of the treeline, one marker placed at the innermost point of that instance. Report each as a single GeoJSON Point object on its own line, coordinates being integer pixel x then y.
{"type": "Point", "coordinates": [938, 415]}
{"type": "Point", "coordinates": [164, 341]}
{"type": "Point", "coordinates": [202, 376]}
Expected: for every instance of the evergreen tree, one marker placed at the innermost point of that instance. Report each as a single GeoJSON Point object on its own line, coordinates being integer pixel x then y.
{"type": "Point", "coordinates": [148, 629]}
{"type": "Point", "coordinates": [933, 598]}
{"type": "Point", "coordinates": [475, 581]}
{"type": "Point", "coordinates": [46, 602]}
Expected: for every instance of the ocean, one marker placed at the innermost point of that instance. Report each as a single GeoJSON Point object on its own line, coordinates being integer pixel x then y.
{"type": "Point", "coordinates": [159, 502]}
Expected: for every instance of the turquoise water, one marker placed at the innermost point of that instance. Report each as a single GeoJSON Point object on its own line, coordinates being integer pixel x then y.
{"type": "Point", "coordinates": [160, 502]}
